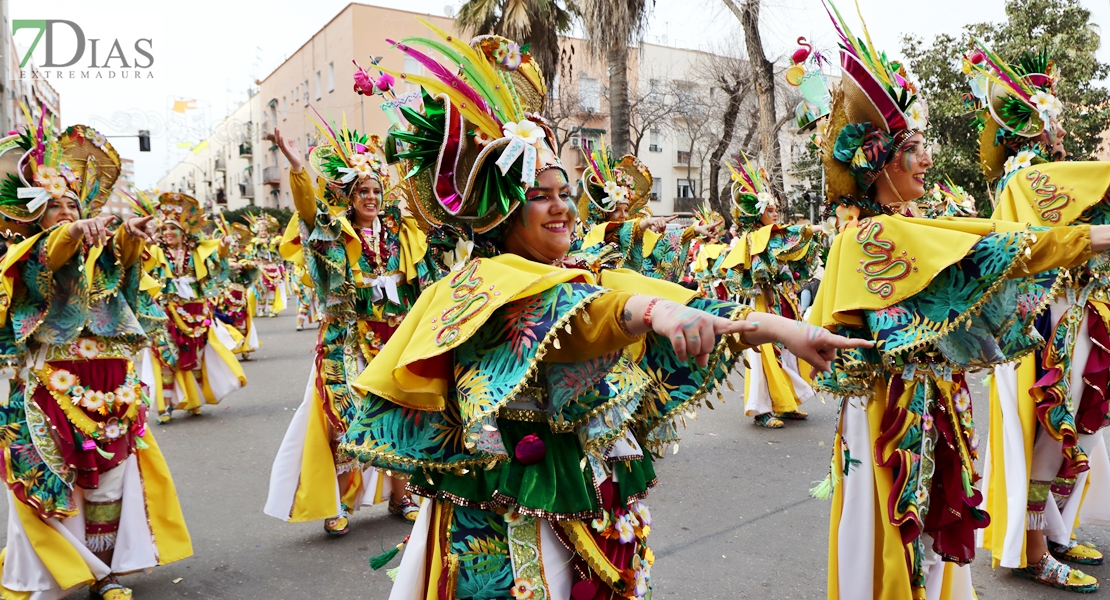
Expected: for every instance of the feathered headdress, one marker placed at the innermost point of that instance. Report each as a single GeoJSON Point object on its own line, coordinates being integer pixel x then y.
{"type": "Point", "coordinates": [750, 194]}
{"type": "Point", "coordinates": [950, 200]}
{"type": "Point", "coordinates": [348, 157]}
{"type": "Point", "coordinates": [1015, 103]}
{"type": "Point", "coordinates": [805, 74]}
{"type": "Point", "coordinates": [182, 211]}
{"type": "Point", "coordinates": [263, 222]}
{"type": "Point", "coordinates": [39, 165]}
{"type": "Point", "coordinates": [141, 203]}
{"type": "Point", "coordinates": [608, 183]}
{"type": "Point", "coordinates": [479, 142]}
{"type": "Point", "coordinates": [705, 215]}
{"type": "Point", "coordinates": [875, 111]}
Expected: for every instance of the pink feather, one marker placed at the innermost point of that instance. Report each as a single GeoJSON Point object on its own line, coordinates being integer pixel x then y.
{"type": "Point", "coordinates": [446, 76]}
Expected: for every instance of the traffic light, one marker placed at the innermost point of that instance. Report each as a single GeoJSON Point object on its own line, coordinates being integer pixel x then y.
{"type": "Point", "coordinates": [144, 140]}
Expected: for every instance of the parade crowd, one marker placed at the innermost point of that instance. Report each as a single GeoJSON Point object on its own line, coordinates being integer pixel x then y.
{"type": "Point", "coordinates": [502, 354]}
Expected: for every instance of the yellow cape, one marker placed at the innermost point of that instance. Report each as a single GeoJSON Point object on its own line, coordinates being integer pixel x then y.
{"type": "Point", "coordinates": [413, 369]}
{"type": "Point", "coordinates": [1052, 194]}
{"type": "Point", "coordinates": [887, 259]}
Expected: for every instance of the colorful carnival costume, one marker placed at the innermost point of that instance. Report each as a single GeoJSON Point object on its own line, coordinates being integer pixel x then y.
{"type": "Point", "coordinates": [938, 297]}
{"type": "Point", "coordinates": [308, 307]}
{"type": "Point", "coordinates": [1052, 404]}
{"type": "Point", "coordinates": [262, 252]}
{"type": "Point", "coordinates": [511, 393]}
{"type": "Point", "coordinates": [206, 369]}
{"type": "Point", "coordinates": [622, 186]}
{"type": "Point", "coordinates": [90, 495]}
{"type": "Point", "coordinates": [767, 266]}
{"type": "Point", "coordinates": [237, 301]}
{"type": "Point", "coordinates": [366, 279]}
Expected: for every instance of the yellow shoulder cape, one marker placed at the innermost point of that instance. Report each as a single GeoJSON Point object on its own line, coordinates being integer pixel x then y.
{"type": "Point", "coordinates": [414, 369]}
{"type": "Point", "coordinates": [1052, 194]}
{"type": "Point", "coordinates": [887, 259]}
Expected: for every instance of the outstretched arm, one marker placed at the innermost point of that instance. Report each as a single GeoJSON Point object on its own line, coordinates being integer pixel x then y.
{"type": "Point", "coordinates": [299, 182]}
{"type": "Point", "coordinates": [693, 332]}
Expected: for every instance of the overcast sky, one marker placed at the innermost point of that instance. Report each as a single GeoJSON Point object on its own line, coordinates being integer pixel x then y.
{"type": "Point", "coordinates": [211, 50]}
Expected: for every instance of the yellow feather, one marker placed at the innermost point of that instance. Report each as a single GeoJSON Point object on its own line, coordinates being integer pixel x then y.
{"type": "Point", "coordinates": [504, 100]}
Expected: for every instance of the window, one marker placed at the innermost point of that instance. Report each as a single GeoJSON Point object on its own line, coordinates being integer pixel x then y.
{"type": "Point", "coordinates": [589, 94]}
{"type": "Point", "coordinates": [687, 188]}
{"type": "Point", "coordinates": [307, 145]}
{"type": "Point", "coordinates": [305, 92]}
{"type": "Point", "coordinates": [655, 93]}
{"type": "Point", "coordinates": [287, 200]}
{"type": "Point", "coordinates": [683, 157]}
{"type": "Point", "coordinates": [655, 141]}
{"type": "Point", "coordinates": [283, 113]}
{"type": "Point", "coordinates": [656, 189]}
{"type": "Point", "coordinates": [412, 67]}
{"type": "Point", "coordinates": [331, 77]}
{"type": "Point", "coordinates": [319, 92]}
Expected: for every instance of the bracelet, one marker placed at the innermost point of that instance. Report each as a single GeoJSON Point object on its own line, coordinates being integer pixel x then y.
{"type": "Point", "coordinates": [647, 312]}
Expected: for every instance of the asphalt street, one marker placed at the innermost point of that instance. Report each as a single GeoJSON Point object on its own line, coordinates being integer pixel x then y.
{"type": "Point", "coordinates": [732, 514]}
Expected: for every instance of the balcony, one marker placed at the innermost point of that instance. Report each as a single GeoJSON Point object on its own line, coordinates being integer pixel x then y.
{"type": "Point", "coordinates": [246, 190]}
{"type": "Point", "coordinates": [682, 160]}
{"type": "Point", "coordinates": [221, 164]}
{"type": "Point", "coordinates": [271, 176]}
{"type": "Point", "coordinates": [245, 150]}
{"type": "Point", "coordinates": [686, 205]}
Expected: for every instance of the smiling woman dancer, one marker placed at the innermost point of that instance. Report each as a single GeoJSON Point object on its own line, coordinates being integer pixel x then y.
{"type": "Point", "coordinates": [1052, 404]}
{"type": "Point", "coordinates": [938, 297]}
{"type": "Point", "coordinates": [526, 398]}
{"type": "Point", "coordinates": [362, 254]}
{"type": "Point", "coordinates": [90, 494]}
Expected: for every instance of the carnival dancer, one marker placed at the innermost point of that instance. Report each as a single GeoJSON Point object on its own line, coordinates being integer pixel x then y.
{"type": "Point", "coordinates": [767, 266]}
{"type": "Point", "coordinates": [90, 496]}
{"type": "Point", "coordinates": [237, 301]}
{"type": "Point", "coordinates": [206, 370]}
{"type": "Point", "coordinates": [308, 309]}
{"type": "Point", "coordinates": [262, 251]}
{"type": "Point", "coordinates": [1051, 405]}
{"type": "Point", "coordinates": [362, 253]}
{"type": "Point", "coordinates": [613, 209]}
{"type": "Point", "coordinates": [510, 391]}
{"type": "Point", "coordinates": [938, 297]}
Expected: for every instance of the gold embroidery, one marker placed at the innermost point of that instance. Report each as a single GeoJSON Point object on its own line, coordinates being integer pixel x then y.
{"type": "Point", "coordinates": [883, 269]}
{"type": "Point", "coordinates": [468, 303]}
{"type": "Point", "coordinates": [1052, 201]}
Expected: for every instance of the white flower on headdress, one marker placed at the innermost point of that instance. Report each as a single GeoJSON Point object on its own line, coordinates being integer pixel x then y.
{"type": "Point", "coordinates": [50, 180]}
{"type": "Point", "coordinates": [1048, 106]}
{"type": "Point", "coordinates": [481, 138]}
{"type": "Point", "coordinates": [365, 169]}
{"type": "Point", "coordinates": [620, 195]}
{"type": "Point", "coordinates": [611, 188]}
{"type": "Point", "coordinates": [526, 130]}
{"type": "Point", "coordinates": [763, 200]}
{"type": "Point", "coordinates": [918, 116]}
{"type": "Point", "coordinates": [358, 159]}
{"type": "Point", "coordinates": [1019, 161]}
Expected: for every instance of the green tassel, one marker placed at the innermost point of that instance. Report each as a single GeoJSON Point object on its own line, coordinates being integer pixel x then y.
{"type": "Point", "coordinates": [967, 483]}
{"type": "Point", "coordinates": [140, 444]}
{"type": "Point", "coordinates": [381, 560]}
{"type": "Point", "coordinates": [824, 489]}
{"type": "Point", "coordinates": [103, 453]}
{"type": "Point", "coordinates": [393, 573]}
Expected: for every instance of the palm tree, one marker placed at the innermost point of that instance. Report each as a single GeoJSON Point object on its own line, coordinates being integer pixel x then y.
{"type": "Point", "coordinates": [538, 23]}
{"type": "Point", "coordinates": [610, 27]}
